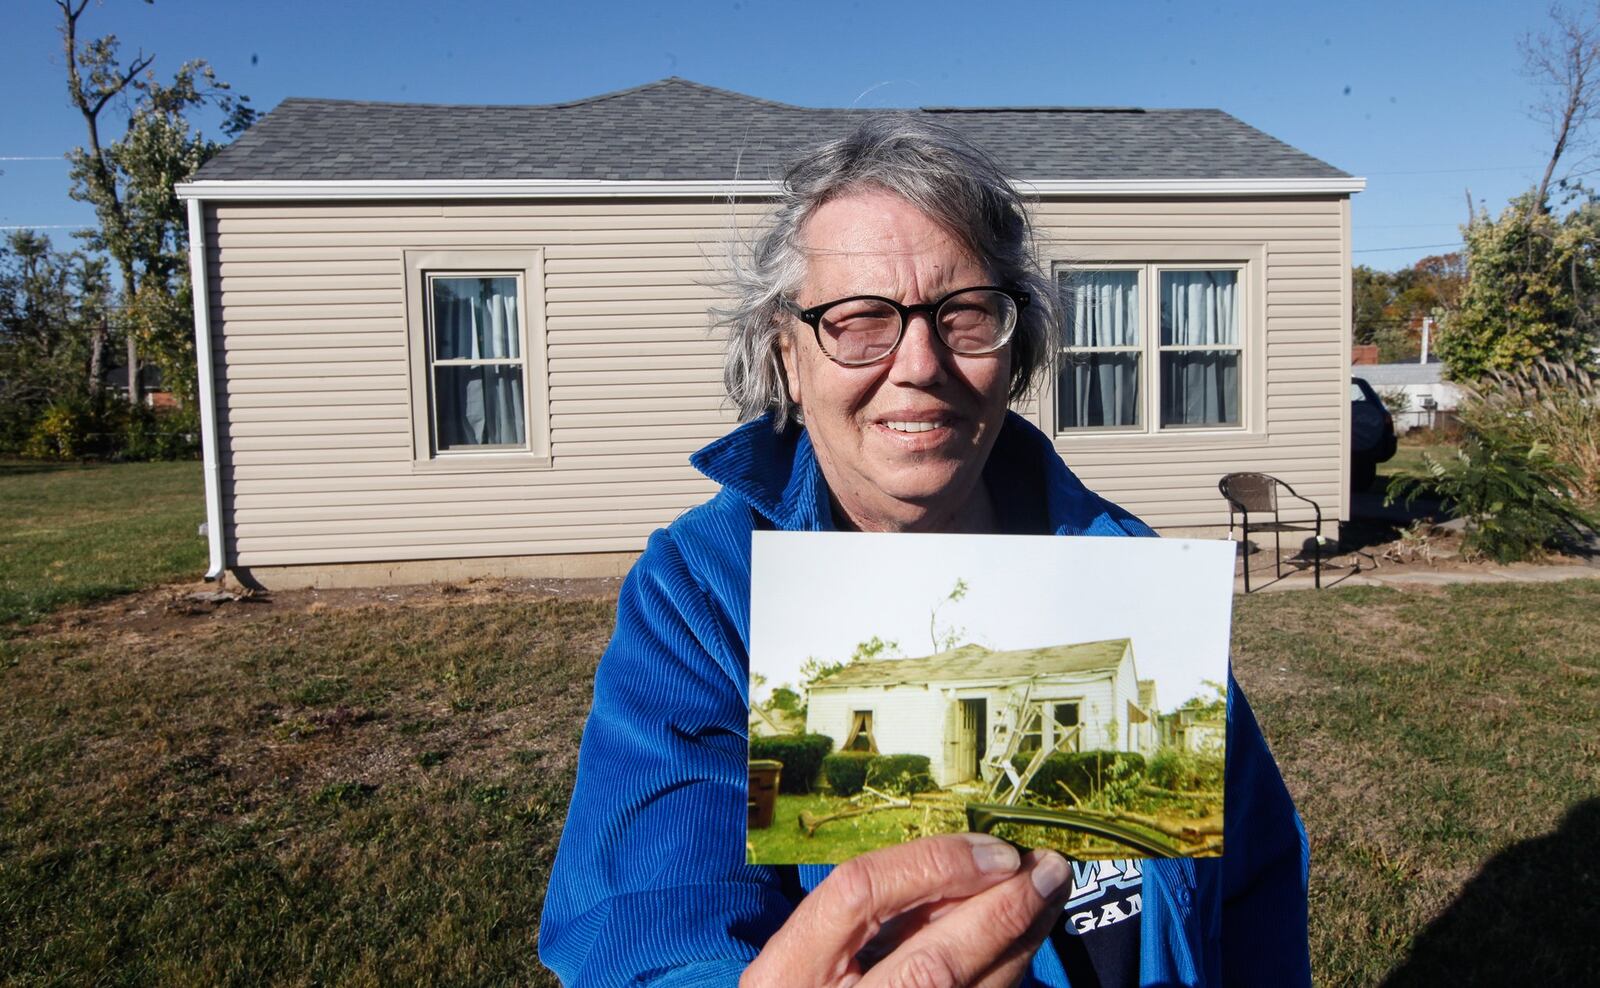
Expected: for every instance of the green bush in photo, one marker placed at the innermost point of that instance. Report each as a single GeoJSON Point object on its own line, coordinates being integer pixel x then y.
{"type": "Point", "coordinates": [801, 755]}
{"type": "Point", "coordinates": [1173, 768]}
{"type": "Point", "coordinates": [904, 775]}
{"type": "Point", "coordinates": [1077, 775]}
{"type": "Point", "coordinates": [846, 771]}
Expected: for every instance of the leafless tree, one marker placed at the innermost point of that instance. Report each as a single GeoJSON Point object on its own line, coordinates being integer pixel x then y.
{"type": "Point", "coordinates": [1564, 63]}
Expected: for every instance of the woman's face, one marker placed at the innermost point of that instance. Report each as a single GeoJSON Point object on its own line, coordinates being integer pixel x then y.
{"type": "Point", "coordinates": [902, 442]}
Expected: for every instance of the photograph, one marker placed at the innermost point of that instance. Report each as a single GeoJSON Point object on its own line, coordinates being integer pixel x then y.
{"type": "Point", "coordinates": [1062, 693]}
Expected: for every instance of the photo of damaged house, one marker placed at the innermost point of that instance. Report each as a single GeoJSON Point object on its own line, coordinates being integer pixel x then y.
{"type": "Point", "coordinates": [1063, 746]}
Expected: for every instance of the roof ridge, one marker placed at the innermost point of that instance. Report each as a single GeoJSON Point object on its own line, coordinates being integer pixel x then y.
{"type": "Point", "coordinates": [680, 81]}
{"type": "Point", "coordinates": [1034, 109]}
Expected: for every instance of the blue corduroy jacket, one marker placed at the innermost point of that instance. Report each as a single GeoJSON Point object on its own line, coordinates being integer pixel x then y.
{"type": "Point", "coordinates": [650, 885]}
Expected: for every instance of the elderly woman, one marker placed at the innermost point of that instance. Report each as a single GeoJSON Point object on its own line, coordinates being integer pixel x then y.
{"type": "Point", "coordinates": [891, 310]}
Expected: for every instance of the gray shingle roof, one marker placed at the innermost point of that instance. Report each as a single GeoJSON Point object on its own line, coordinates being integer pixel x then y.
{"type": "Point", "coordinates": [974, 662]}
{"type": "Point", "coordinates": [1380, 375]}
{"type": "Point", "coordinates": [680, 130]}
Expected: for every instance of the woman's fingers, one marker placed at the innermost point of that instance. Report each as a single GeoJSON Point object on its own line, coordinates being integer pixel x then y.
{"type": "Point", "coordinates": [989, 939]}
{"type": "Point", "coordinates": [819, 943]}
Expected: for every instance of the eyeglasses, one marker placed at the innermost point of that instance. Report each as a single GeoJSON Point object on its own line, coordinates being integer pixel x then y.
{"type": "Point", "coordinates": [864, 329]}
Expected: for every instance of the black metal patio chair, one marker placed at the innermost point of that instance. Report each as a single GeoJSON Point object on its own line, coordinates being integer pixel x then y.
{"type": "Point", "coordinates": [1257, 493]}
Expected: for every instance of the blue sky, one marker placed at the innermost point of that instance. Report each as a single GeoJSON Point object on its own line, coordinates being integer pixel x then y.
{"type": "Point", "coordinates": [1423, 100]}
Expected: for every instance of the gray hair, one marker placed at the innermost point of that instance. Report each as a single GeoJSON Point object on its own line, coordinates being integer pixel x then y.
{"type": "Point", "coordinates": [933, 168]}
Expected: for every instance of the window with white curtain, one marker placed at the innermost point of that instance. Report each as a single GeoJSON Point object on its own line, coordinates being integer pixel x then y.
{"type": "Point", "coordinates": [478, 376]}
{"type": "Point", "coordinates": [1150, 347]}
{"type": "Point", "coordinates": [475, 361]}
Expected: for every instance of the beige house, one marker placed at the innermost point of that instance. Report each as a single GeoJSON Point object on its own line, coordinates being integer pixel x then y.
{"type": "Point", "coordinates": [441, 341]}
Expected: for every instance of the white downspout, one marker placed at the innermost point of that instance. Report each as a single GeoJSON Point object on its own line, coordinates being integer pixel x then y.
{"type": "Point", "coordinates": [201, 290]}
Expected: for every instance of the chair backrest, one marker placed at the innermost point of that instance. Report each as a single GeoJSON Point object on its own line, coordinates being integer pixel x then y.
{"type": "Point", "coordinates": [1250, 491]}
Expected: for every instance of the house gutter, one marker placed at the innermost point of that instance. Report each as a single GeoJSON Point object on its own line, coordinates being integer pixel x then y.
{"type": "Point", "coordinates": [358, 189]}
{"type": "Point", "coordinates": [200, 288]}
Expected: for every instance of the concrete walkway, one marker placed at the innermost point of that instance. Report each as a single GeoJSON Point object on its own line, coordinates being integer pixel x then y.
{"type": "Point", "coordinates": [1262, 579]}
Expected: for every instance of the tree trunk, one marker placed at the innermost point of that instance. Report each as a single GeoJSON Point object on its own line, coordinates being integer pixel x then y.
{"type": "Point", "coordinates": [133, 372]}
{"type": "Point", "coordinates": [97, 349]}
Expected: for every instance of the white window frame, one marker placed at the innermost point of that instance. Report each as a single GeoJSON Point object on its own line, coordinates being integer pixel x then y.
{"type": "Point", "coordinates": [527, 266]}
{"type": "Point", "coordinates": [1150, 260]}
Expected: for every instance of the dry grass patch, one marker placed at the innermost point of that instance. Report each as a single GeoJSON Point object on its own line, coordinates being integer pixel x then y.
{"type": "Point", "coordinates": [1426, 738]}
{"type": "Point", "coordinates": [353, 795]}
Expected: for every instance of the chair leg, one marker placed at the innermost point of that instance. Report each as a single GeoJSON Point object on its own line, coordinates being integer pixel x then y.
{"type": "Point", "coordinates": [1316, 559]}
{"type": "Point", "coordinates": [1277, 553]}
{"type": "Point", "coordinates": [1245, 562]}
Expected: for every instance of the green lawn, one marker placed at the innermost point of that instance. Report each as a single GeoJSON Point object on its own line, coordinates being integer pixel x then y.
{"type": "Point", "coordinates": [342, 795]}
{"type": "Point", "coordinates": [785, 843]}
{"type": "Point", "coordinates": [76, 533]}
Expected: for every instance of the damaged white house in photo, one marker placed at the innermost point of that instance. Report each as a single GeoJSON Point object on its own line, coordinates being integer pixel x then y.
{"type": "Point", "coordinates": [960, 708]}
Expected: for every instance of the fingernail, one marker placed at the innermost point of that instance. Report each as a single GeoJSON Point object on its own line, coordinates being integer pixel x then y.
{"type": "Point", "coordinates": [1049, 874]}
{"type": "Point", "coordinates": [993, 855]}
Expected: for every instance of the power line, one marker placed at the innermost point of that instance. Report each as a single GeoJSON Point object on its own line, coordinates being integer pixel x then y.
{"type": "Point", "coordinates": [32, 157]}
{"type": "Point", "coordinates": [1378, 250]}
{"type": "Point", "coordinates": [1454, 171]}
{"type": "Point", "coordinates": [44, 226]}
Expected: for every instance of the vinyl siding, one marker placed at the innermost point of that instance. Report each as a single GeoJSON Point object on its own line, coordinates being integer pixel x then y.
{"type": "Point", "coordinates": [1296, 374]}
{"type": "Point", "coordinates": [307, 305]}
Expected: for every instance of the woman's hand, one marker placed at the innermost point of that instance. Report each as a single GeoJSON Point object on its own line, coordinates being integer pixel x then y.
{"type": "Point", "coordinates": [956, 910]}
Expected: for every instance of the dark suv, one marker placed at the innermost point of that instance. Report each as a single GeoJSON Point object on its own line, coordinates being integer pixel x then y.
{"type": "Point", "coordinates": [1372, 439]}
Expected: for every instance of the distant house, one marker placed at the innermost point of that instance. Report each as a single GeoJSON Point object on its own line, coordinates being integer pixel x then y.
{"type": "Point", "coordinates": [448, 341]}
{"type": "Point", "coordinates": [1201, 731]}
{"type": "Point", "coordinates": [1426, 391]}
{"type": "Point", "coordinates": [957, 707]}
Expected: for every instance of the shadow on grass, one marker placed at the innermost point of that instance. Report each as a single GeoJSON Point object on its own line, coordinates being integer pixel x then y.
{"type": "Point", "coordinates": [1530, 916]}
{"type": "Point", "coordinates": [20, 468]}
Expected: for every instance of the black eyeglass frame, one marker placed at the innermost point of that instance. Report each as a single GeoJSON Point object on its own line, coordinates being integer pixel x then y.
{"type": "Point", "coordinates": [813, 317]}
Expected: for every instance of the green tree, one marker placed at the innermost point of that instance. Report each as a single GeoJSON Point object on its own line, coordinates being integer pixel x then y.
{"type": "Point", "coordinates": [140, 222]}
{"type": "Point", "coordinates": [1531, 290]}
{"type": "Point", "coordinates": [39, 355]}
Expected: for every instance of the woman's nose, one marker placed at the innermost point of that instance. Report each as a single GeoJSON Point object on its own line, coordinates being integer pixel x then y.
{"type": "Point", "coordinates": [919, 360]}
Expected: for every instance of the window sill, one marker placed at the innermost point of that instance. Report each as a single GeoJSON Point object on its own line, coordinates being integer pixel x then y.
{"type": "Point", "coordinates": [481, 463]}
{"type": "Point", "coordinates": [1189, 440]}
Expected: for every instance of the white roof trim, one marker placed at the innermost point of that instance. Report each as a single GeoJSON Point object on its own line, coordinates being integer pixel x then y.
{"type": "Point", "coordinates": [552, 188]}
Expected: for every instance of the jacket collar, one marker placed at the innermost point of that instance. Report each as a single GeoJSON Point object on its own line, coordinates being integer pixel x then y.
{"type": "Point", "coordinates": [777, 474]}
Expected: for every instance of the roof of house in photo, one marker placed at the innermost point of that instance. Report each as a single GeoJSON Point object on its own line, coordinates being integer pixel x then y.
{"type": "Point", "coordinates": [974, 662]}
{"type": "Point", "coordinates": [677, 130]}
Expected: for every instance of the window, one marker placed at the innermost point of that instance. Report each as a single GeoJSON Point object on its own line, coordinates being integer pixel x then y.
{"type": "Point", "coordinates": [1050, 724]}
{"type": "Point", "coordinates": [1151, 343]}
{"type": "Point", "coordinates": [860, 738]}
{"type": "Point", "coordinates": [476, 338]}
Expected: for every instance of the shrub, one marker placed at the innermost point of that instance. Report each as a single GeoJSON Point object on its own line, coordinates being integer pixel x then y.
{"type": "Point", "coordinates": [801, 755]}
{"type": "Point", "coordinates": [1556, 403]}
{"type": "Point", "coordinates": [846, 771]}
{"type": "Point", "coordinates": [80, 429]}
{"type": "Point", "coordinates": [1078, 773]}
{"type": "Point", "coordinates": [904, 775]}
{"type": "Point", "coordinates": [66, 431]}
{"type": "Point", "coordinates": [1173, 768]}
{"type": "Point", "coordinates": [1517, 499]}
{"type": "Point", "coordinates": [164, 434]}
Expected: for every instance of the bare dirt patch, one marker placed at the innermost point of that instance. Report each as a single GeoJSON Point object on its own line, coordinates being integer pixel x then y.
{"type": "Point", "coordinates": [184, 607]}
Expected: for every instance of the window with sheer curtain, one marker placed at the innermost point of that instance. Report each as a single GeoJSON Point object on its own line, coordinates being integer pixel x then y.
{"type": "Point", "coordinates": [476, 361]}
{"type": "Point", "coordinates": [478, 377]}
{"type": "Point", "coordinates": [1150, 343]}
